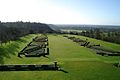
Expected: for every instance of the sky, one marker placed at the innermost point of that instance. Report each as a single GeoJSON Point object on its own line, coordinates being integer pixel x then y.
{"type": "Point", "coordinates": [101, 12]}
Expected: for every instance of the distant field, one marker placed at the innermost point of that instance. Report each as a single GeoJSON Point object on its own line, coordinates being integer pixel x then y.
{"type": "Point", "coordinates": [69, 30]}
{"type": "Point", "coordinates": [78, 63]}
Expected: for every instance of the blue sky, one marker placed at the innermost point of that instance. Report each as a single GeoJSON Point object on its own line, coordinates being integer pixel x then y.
{"type": "Point", "coordinates": [105, 12]}
{"type": "Point", "coordinates": [100, 11]}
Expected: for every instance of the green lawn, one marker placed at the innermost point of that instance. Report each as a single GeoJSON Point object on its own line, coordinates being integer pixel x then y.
{"type": "Point", "coordinates": [103, 43]}
{"type": "Point", "coordinates": [10, 51]}
{"type": "Point", "coordinates": [78, 63]}
{"type": "Point", "coordinates": [113, 46]}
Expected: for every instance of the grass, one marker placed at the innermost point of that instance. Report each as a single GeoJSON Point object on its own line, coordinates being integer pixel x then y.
{"type": "Point", "coordinates": [113, 46]}
{"type": "Point", "coordinates": [10, 50]}
{"type": "Point", "coordinates": [77, 63]}
{"type": "Point", "coordinates": [103, 43]}
{"type": "Point", "coordinates": [66, 49]}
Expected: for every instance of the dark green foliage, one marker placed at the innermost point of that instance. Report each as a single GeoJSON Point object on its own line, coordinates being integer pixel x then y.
{"type": "Point", "coordinates": [110, 35]}
{"type": "Point", "coordinates": [14, 30]}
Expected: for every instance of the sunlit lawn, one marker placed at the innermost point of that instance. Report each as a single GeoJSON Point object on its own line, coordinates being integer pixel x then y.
{"type": "Point", "coordinates": [77, 63]}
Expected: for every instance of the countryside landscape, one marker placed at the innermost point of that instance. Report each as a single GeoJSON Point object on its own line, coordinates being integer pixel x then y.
{"type": "Point", "coordinates": [60, 40]}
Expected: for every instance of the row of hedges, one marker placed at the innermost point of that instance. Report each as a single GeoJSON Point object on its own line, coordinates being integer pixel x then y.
{"type": "Point", "coordinates": [95, 47]}
{"type": "Point", "coordinates": [33, 49]}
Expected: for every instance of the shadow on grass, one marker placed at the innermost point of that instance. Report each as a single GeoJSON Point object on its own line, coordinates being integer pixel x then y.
{"type": "Point", "coordinates": [7, 50]}
{"type": "Point", "coordinates": [117, 65]}
{"type": "Point", "coordinates": [63, 70]}
{"type": "Point", "coordinates": [21, 40]}
{"type": "Point", "coordinates": [46, 56]}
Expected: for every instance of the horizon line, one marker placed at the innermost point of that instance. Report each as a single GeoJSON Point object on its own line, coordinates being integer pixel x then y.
{"type": "Point", "coordinates": [62, 23]}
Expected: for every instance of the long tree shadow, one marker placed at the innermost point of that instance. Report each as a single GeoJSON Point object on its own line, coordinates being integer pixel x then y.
{"type": "Point", "coordinates": [62, 69]}
{"type": "Point", "coordinates": [46, 56]}
{"type": "Point", "coordinates": [3, 53]}
{"type": "Point", "coordinates": [9, 49]}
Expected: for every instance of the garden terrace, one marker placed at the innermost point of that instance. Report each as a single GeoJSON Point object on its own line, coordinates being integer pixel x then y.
{"type": "Point", "coordinates": [28, 67]}
{"type": "Point", "coordinates": [39, 44]}
{"type": "Point", "coordinates": [41, 39]}
{"type": "Point", "coordinates": [76, 62]}
{"type": "Point", "coordinates": [78, 40]}
{"type": "Point", "coordinates": [95, 47]}
{"type": "Point", "coordinates": [71, 38]}
{"type": "Point", "coordinates": [104, 51]}
{"type": "Point", "coordinates": [38, 53]}
{"type": "Point", "coordinates": [84, 44]}
{"type": "Point", "coordinates": [32, 48]}
{"type": "Point", "coordinates": [36, 48]}
{"type": "Point", "coordinates": [65, 36]}
{"type": "Point", "coordinates": [92, 45]}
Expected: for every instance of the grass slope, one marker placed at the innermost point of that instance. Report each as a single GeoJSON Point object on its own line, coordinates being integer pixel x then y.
{"type": "Point", "coordinates": [103, 43]}
{"type": "Point", "coordinates": [113, 46]}
{"type": "Point", "coordinates": [78, 63]}
{"type": "Point", "coordinates": [10, 50]}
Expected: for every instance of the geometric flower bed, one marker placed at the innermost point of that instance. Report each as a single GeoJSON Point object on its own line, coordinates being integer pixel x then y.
{"type": "Point", "coordinates": [36, 48]}
{"type": "Point", "coordinates": [96, 47]}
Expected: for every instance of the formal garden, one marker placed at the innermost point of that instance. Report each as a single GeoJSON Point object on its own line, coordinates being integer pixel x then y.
{"type": "Point", "coordinates": [74, 58]}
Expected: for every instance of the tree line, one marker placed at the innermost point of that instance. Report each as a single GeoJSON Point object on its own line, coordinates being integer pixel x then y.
{"type": "Point", "coordinates": [110, 36]}
{"type": "Point", "coordinates": [10, 31]}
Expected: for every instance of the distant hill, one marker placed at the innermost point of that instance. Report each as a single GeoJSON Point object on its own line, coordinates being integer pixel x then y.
{"type": "Point", "coordinates": [54, 27]}
{"type": "Point", "coordinates": [28, 26]}
{"type": "Point", "coordinates": [84, 27]}
{"type": "Point", "coordinates": [14, 30]}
